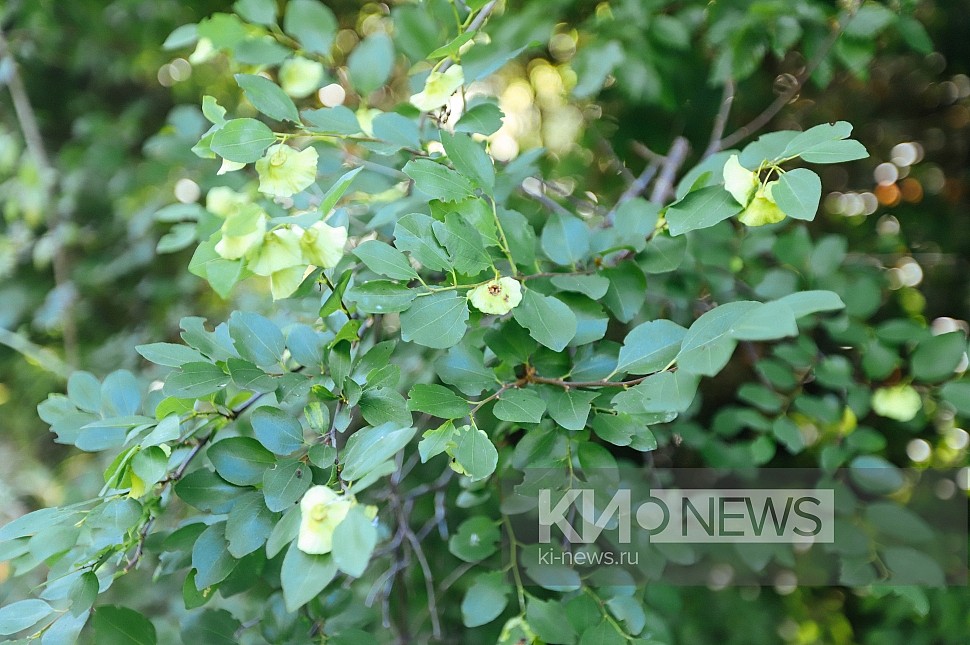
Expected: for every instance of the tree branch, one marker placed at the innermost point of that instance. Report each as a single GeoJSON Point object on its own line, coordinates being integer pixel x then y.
{"type": "Point", "coordinates": [60, 264]}
{"type": "Point", "coordinates": [720, 120]}
{"type": "Point", "coordinates": [475, 25]}
{"type": "Point", "coordinates": [668, 172]}
{"type": "Point", "coordinates": [785, 97]}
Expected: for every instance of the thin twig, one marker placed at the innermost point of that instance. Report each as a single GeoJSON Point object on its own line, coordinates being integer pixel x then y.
{"type": "Point", "coordinates": [635, 189]}
{"type": "Point", "coordinates": [721, 119]}
{"type": "Point", "coordinates": [785, 97]}
{"type": "Point", "coordinates": [543, 199]}
{"type": "Point", "coordinates": [60, 263]}
{"type": "Point", "coordinates": [648, 154]}
{"type": "Point", "coordinates": [668, 170]}
{"type": "Point", "coordinates": [475, 25]}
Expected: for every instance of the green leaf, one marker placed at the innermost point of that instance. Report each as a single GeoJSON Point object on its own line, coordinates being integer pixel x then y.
{"type": "Point", "coordinates": [593, 286]}
{"type": "Point", "coordinates": [207, 491]}
{"type": "Point", "coordinates": [221, 274]}
{"type": "Point", "coordinates": [484, 118]}
{"type": "Point", "coordinates": [817, 135]}
{"type": "Point", "coordinates": [548, 320]}
{"type": "Point", "coordinates": [627, 292]}
{"type": "Point", "coordinates": [436, 441]}
{"type": "Point", "coordinates": [437, 400]}
{"type": "Point", "coordinates": [464, 244]}
{"type": "Point", "coordinates": [469, 159]}
{"type": "Point", "coordinates": [122, 626]}
{"type": "Point", "coordinates": [353, 542]}
{"type": "Point", "coordinates": [413, 233]}
{"type": "Point", "coordinates": [240, 460]}
{"type": "Point", "coordinates": [519, 406]}
{"type": "Point", "coordinates": [169, 354]}
{"type": "Point", "coordinates": [248, 525]}
{"type": "Point", "coordinates": [256, 338]}
{"type": "Point", "coordinates": [804, 303]}
{"type": "Point", "coordinates": [369, 447]}
{"type": "Point", "coordinates": [396, 129]}
{"type": "Point", "coordinates": [570, 408]}
{"type": "Point", "coordinates": [475, 539]}
{"type": "Point", "coordinates": [937, 357]}
{"type": "Point", "coordinates": [708, 345]}
{"type": "Point", "coordinates": [798, 193]}
{"type": "Point", "coordinates": [385, 260]}
{"type": "Point", "coordinates": [150, 464]}
{"type": "Point", "coordinates": [548, 619]}
{"type": "Point", "coordinates": [485, 600]}
{"type": "Point", "coordinates": [84, 390]}
{"type": "Point", "coordinates": [267, 97]}
{"type": "Point", "coordinates": [381, 297]}
{"type": "Point", "coordinates": [384, 405]}
{"type": "Point", "coordinates": [650, 347]}
{"type": "Point", "coordinates": [304, 576]}
{"type": "Point", "coordinates": [285, 531]}
{"type": "Point", "coordinates": [84, 591]}
{"type": "Point", "coordinates": [337, 190]}
{"type": "Point", "coordinates": [120, 394]}
{"type": "Point", "coordinates": [284, 484]}
{"type": "Point", "coordinates": [701, 209]}
{"type": "Point", "coordinates": [474, 452]}
{"type": "Point", "coordinates": [260, 12]}
{"type": "Point", "coordinates": [437, 321]}
{"type": "Point", "coordinates": [438, 181]}
{"type": "Point", "coordinates": [565, 239]}
{"type": "Point", "coordinates": [664, 392]}
{"type": "Point", "coordinates": [20, 615]}
{"type": "Point", "coordinates": [957, 394]}
{"type": "Point", "coordinates": [278, 431]}
{"type": "Point", "coordinates": [242, 140]}
{"type": "Point", "coordinates": [371, 62]}
{"type": "Point", "coordinates": [195, 380]}
{"type": "Point", "coordinates": [247, 376]}
{"type": "Point", "coordinates": [210, 557]}
{"type": "Point", "coordinates": [768, 321]}
{"type": "Point", "coordinates": [836, 152]}
{"type": "Point", "coordinates": [336, 120]}
{"type": "Point", "coordinates": [312, 23]}
{"type": "Point", "coordinates": [212, 627]}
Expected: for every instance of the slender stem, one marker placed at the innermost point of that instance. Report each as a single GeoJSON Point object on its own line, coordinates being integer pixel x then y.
{"type": "Point", "coordinates": [785, 97]}
{"type": "Point", "coordinates": [514, 562]}
{"type": "Point", "coordinates": [668, 172]}
{"type": "Point", "coordinates": [473, 26]}
{"type": "Point", "coordinates": [60, 263]}
{"type": "Point", "coordinates": [721, 119]}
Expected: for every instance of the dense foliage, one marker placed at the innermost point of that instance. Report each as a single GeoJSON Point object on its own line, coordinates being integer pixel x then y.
{"type": "Point", "coordinates": [439, 272]}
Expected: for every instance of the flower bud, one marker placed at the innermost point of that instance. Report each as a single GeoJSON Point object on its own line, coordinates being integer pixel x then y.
{"type": "Point", "coordinates": [762, 209]}
{"type": "Point", "coordinates": [899, 402]}
{"type": "Point", "coordinates": [739, 181]}
{"type": "Point", "coordinates": [242, 232]}
{"type": "Point", "coordinates": [280, 250]}
{"type": "Point", "coordinates": [300, 77]}
{"type": "Point", "coordinates": [223, 201]}
{"type": "Point", "coordinates": [323, 245]}
{"type": "Point", "coordinates": [438, 88]}
{"type": "Point", "coordinates": [284, 171]}
{"type": "Point", "coordinates": [321, 510]}
{"type": "Point", "coordinates": [496, 296]}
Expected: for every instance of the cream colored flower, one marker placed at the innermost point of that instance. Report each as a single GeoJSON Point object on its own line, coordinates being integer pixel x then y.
{"type": "Point", "coordinates": [300, 77]}
{"type": "Point", "coordinates": [438, 88]}
{"type": "Point", "coordinates": [899, 402]}
{"type": "Point", "coordinates": [496, 296]}
{"type": "Point", "coordinates": [323, 245]}
{"type": "Point", "coordinates": [739, 181]}
{"type": "Point", "coordinates": [279, 250]}
{"type": "Point", "coordinates": [223, 201]}
{"type": "Point", "coordinates": [242, 232]}
{"type": "Point", "coordinates": [762, 209]}
{"type": "Point", "coordinates": [321, 510]}
{"type": "Point", "coordinates": [284, 171]}
{"type": "Point", "coordinates": [284, 282]}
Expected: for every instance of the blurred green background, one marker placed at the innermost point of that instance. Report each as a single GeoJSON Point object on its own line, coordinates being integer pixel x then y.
{"type": "Point", "coordinates": [81, 281]}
